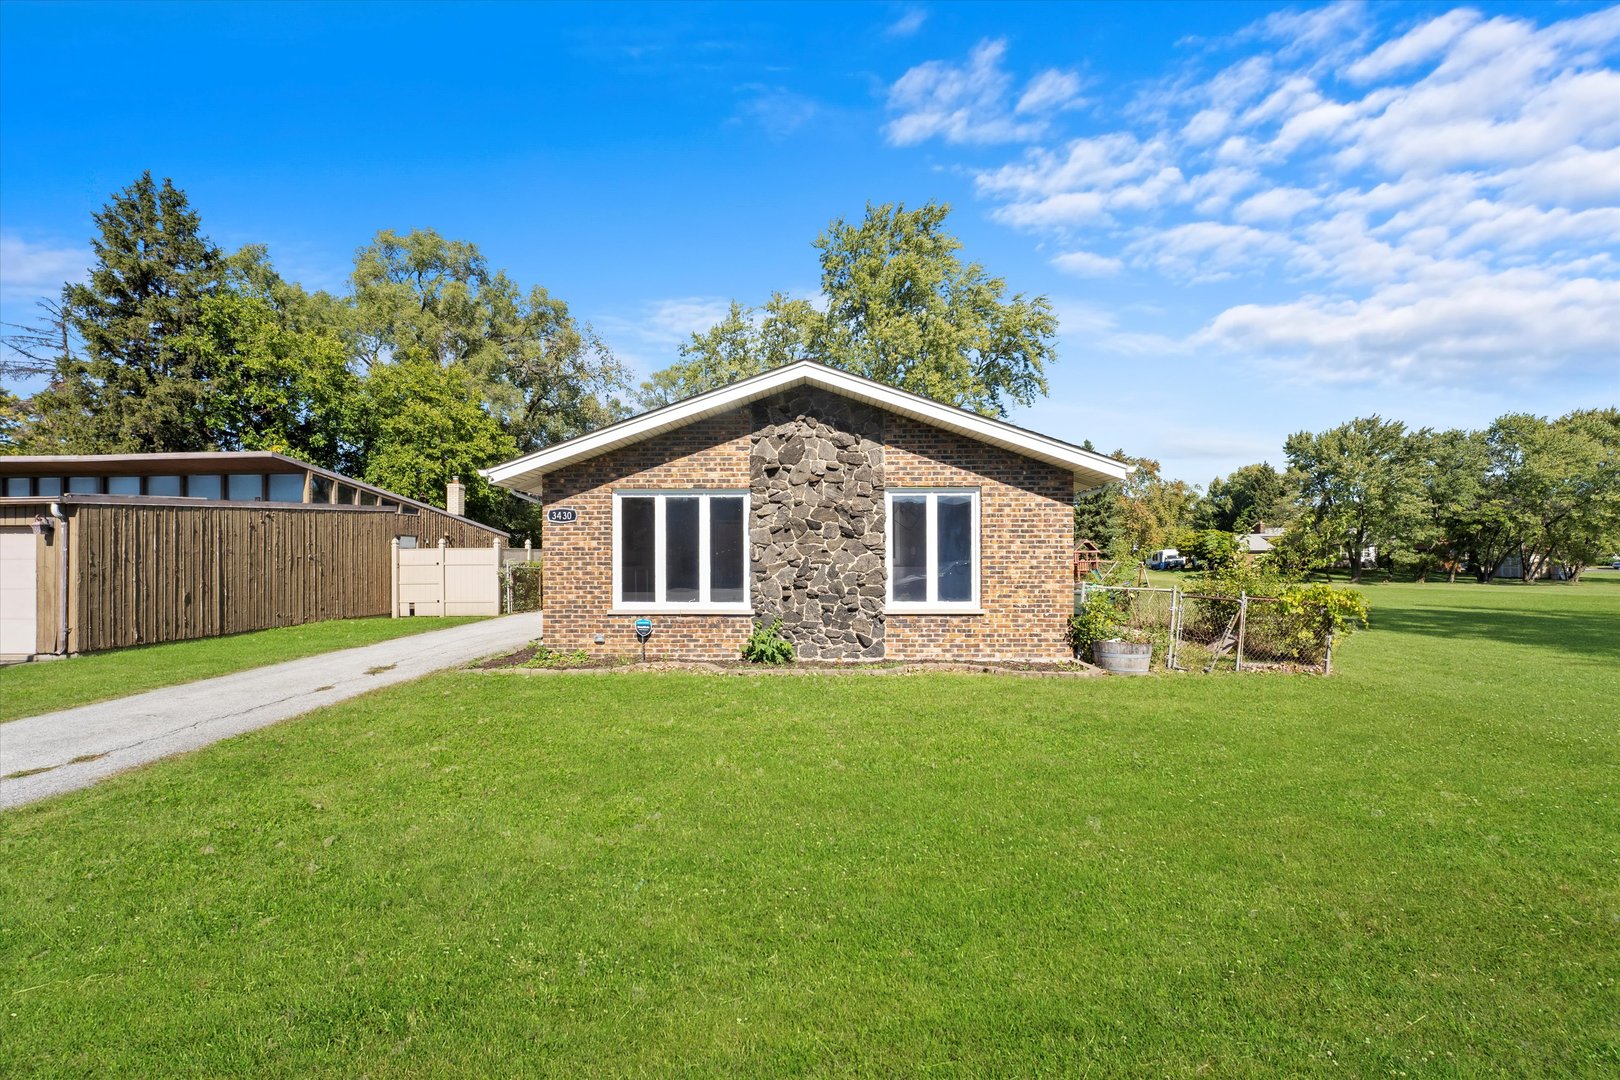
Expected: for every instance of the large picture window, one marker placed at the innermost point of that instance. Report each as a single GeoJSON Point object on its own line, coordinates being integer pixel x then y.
{"type": "Point", "coordinates": [933, 540]}
{"type": "Point", "coordinates": [680, 550]}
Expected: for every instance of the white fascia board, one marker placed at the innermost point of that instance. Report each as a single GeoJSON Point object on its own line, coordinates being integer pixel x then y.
{"type": "Point", "coordinates": [526, 473]}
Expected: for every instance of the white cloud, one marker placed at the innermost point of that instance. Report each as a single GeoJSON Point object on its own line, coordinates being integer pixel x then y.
{"type": "Point", "coordinates": [778, 111]}
{"type": "Point", "coordinates": [1051, 89]}
{"type": "Point", "coordinates": [1417, 45]}
{"type": "Point", "coordinates": [1208, 250]}
{"type": "Point", "coordinates": [1088, 264]}
{"type": "Point", "coordinates": [29, 269]}
{"type": "Point", "coordinates": [648, 337]}
{"type": "Point", "coordinates": [678, 318]}
{"type": "Point", "coordinates": [1278, 204]}
{"type": "Point", "coordinates": [973, 103]}
{"type": "Point", "coordinates": [1508, 325]}
{"type": "Point", "coordinates": [906, 25]}
{"type": "Point", "coordinates": [1433, 196]}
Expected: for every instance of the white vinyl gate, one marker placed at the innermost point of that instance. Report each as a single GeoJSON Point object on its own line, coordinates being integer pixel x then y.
{"type": "Point", "coordinates": [18, 591]}
{"type": "Point", "coordinates": [447, 581]}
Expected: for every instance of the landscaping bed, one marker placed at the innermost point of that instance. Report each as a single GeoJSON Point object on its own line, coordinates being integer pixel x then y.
{"type": "Point", "coordinates": [537, 660]}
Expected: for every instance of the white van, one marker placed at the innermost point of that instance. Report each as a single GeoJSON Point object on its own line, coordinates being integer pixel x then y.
{"type": "Point", "coordinates": [1166, 559]}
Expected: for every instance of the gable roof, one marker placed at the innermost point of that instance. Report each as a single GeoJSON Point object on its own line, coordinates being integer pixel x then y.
{"type": "Point", "coordinates": [1090, 468]}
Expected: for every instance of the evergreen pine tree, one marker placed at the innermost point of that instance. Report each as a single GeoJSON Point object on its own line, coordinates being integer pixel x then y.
{"type": "Point", "coordinates": [139, 387]}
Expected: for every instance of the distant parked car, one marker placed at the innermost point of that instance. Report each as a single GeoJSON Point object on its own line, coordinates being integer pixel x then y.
{"type": "Point", "coordinates": [1166, 559]}
{"type": "Point", "coordinates": [1614, 563]}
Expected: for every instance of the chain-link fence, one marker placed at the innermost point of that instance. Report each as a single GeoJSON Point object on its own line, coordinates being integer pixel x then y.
{"type": "Point", "coordinates": [1205, 633]}
{"type": "Point", "coordinates": [522, 581]}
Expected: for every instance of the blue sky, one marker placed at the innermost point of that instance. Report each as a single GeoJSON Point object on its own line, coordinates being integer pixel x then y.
{"type": "Point", "coordinates": [1251, 218]}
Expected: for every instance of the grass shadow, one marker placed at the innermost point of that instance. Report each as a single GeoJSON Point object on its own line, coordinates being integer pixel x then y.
{"type": "Point", "coordinates": [1560, 633]}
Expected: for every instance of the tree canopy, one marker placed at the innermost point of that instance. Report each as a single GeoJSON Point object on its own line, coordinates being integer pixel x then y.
{"type": "Point", "coordinates": [432, 366]}
{"type": "Point", "coordinates": [902, 308]}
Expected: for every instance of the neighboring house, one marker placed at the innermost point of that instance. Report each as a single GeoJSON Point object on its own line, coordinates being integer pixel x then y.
{"type": "Point", "coordinates": [1258, 541]}
{"type": "Point", "coordinates": [876, 524]}
{"type": "Point", "coordinates": [107, 550]}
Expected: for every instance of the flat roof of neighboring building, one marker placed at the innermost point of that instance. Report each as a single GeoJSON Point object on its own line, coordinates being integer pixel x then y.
{"type": "Point", "coordinates": [201, 462]}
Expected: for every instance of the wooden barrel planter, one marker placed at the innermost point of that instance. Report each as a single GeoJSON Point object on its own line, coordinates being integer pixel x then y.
{"type": "Point", "coordinates": [1122, 657]}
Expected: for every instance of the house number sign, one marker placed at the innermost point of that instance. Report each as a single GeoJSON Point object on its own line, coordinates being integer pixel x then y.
{"type": "Point", "coordinates": [561, 515]}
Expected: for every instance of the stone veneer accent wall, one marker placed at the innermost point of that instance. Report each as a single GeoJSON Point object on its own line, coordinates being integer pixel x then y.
{"type": "Point", "coordinates": [817, 521]}
{"type": "Point", "coordinates": [1026, 547]}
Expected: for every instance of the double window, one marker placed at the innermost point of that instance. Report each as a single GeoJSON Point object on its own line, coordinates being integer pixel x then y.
{"type": "Point", "coordinates": [680, 550]}
{"type": "Point", "coordinates": [933, 539]}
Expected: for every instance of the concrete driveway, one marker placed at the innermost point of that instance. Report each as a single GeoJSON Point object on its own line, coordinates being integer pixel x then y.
{"type": "Point", "coordinates": [76, 747]}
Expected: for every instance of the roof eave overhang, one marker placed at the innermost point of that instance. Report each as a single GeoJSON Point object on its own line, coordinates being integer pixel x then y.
{"type": "Point", "coordinates": [526, 474]}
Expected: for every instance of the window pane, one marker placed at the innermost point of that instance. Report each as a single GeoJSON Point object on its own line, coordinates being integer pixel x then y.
{"type": "Point", "coordinates": [345, 495]}
{"type": "Point", "coordinates": [245, 487]}
{"type": "Point", "coordinates": [954, 519]}
{"type": "Point", "coordinates": [123, 485]}
{"type": "Point", "coordinates": [17, 487]}
{"type": "Point", "coordinates": [49, 485]}
{"type": "Point", "coordinates": [287, 487]}
{"type": "Point", "coordinates": [163, 485]}
{"type": "Point", "coordinates": [84, 485]}
{"type": "Point", "coordinates": [637, 575]}
{"type": "Point", "coordinates": [320, 489]}
{"type": "Point", "coordinates": [910, 569]}
{"type": "Point", "coordinates": [203, 487]}
{"type": "Point", "coordinates": [681, 550]}
{"type": "Point", "coordinates": [728, 559]}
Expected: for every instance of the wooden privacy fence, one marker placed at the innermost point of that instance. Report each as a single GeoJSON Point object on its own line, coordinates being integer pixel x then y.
{"type": "Point", "coordinates": [447, 580]}
{"type": "Point", "coordinates": [143, 573]}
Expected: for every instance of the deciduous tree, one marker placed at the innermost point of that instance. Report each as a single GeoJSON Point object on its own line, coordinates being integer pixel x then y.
{"type": "Point", "coordinates": [1357, 481]}
{"type": "Point", "coordinates": [903, 309]}
{"type": "Point", "coordinates": [540, 373]}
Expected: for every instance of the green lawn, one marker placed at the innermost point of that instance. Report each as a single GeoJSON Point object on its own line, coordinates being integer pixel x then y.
{"type": "Point", "coordinates": [30, 689]}
{"type": "Point", "coordinates": [1409, 869]}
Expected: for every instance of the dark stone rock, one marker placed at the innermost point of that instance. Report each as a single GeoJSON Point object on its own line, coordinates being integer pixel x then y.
{"type": "Point", "coordinates": [819, 459]}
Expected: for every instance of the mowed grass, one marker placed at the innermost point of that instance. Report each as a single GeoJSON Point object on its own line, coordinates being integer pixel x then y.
{"type": "Point", "coordinates": [31, 689]}
{"type": "Point", "coordinates": [1411, 868]}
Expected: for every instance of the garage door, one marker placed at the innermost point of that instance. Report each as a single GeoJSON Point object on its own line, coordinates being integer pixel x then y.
{"type": "Point", "coordinates": [17, 596]}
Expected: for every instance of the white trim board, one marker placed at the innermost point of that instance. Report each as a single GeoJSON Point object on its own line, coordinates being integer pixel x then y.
{"type": "Point", "coordinates": [527, 474]}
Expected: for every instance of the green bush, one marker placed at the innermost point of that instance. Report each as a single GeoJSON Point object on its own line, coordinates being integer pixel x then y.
{"type": "Point", "coordinates": [1261, 577]}
{"type": "Point", "coordinates": [1098, 619]}
{"type": "Point", "coordinates": [551, 658]}
{"type": "Point", "coordinates": [766, 645]}
{"type": "Point", "coordinates": [523, 582]}
{"type": "Point", "coordinates": [1214, 549]}
{"type": "Point", "coordinates": [1313, 613]}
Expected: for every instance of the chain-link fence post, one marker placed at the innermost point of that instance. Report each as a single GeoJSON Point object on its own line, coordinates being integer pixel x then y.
{"type": "Point", "coordinates": [1243, 625]}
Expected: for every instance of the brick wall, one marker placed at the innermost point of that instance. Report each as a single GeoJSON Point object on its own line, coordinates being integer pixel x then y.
{"type": "Point", "coordinates": [578, 557]}
{"type": "Point", "coordinates": [1026, 530]}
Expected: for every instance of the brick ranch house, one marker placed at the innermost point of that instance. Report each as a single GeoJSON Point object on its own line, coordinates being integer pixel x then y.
{"type": "Point", "coordinates": [875, 523]}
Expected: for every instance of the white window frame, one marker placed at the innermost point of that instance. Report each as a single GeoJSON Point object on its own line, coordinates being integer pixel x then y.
{"type": "Point", "coordinates": [933, 605]}
{"type": "Point", "coordinates": [697, 607]}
